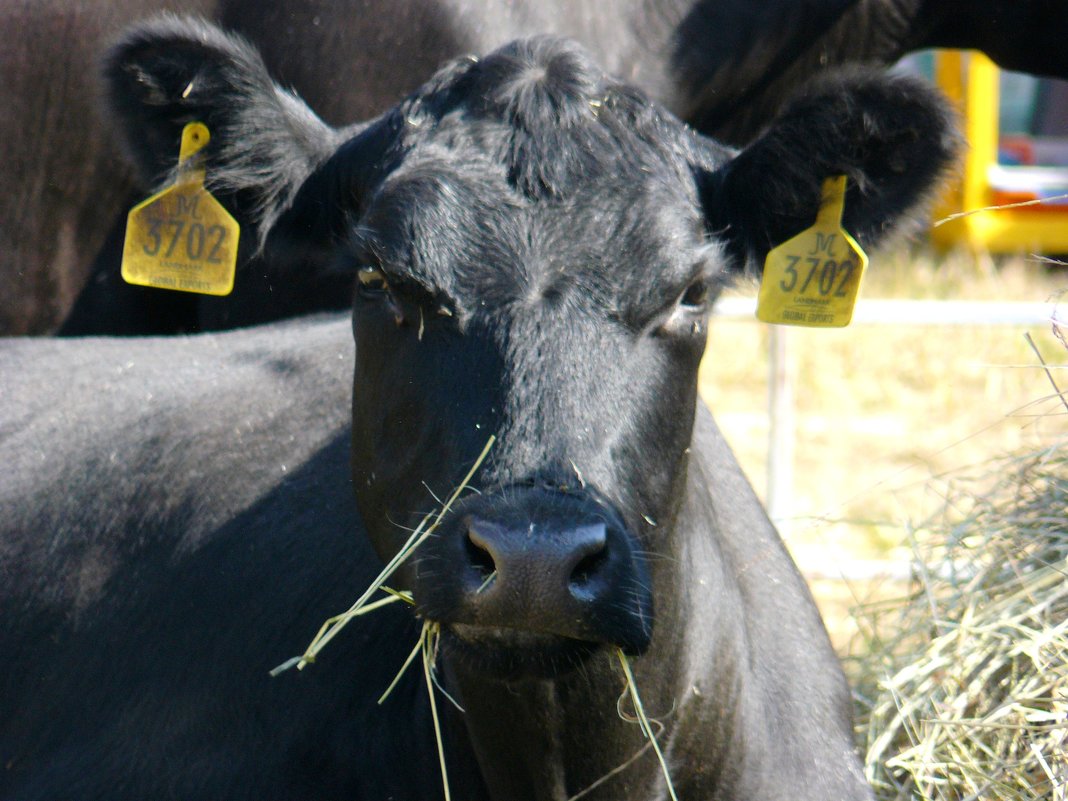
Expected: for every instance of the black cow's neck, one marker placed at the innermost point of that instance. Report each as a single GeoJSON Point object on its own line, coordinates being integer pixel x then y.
{"type": "Point", "coordinates": [549, 740]}
{"type": "Point", "coordinates": [517, 735]}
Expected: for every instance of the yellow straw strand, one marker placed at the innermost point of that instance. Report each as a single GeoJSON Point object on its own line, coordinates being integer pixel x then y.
{"type": "Point", "coordinates": [296, 661]}
{"type": "Point", "coordinates": [643, 721]}
{"type": "Point", "coordinates": [406, 665]}
{"type": "Point", "coordinates": [332, 627]}
{"type": "Point", "coordinates": [431, 630]}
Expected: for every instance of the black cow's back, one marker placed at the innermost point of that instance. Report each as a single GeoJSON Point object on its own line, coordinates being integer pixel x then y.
{"type": "Point", "coordinates": [178, 519]}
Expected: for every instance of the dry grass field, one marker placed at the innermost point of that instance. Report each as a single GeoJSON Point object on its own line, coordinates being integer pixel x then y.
{"type": "Point", "coordinates": [881, 409]}
{"type": "Point", "coordinates": [962, 684]}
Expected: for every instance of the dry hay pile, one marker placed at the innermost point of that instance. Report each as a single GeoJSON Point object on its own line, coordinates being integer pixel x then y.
{"type": "Point", "coordinates": [968, 697]}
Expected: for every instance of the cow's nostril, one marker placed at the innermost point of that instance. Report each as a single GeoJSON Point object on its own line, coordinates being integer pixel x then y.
{"type": "Point", "coordinates": [586, 573]}
{"type": "Point", "coordinates": [479, 557]}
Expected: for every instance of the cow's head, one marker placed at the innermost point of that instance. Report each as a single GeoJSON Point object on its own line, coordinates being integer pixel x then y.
{"type": "Point", "coordinates": [536, 248]}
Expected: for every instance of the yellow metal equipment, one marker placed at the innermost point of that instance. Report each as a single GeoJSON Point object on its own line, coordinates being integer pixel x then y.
{"type": "Point", "coordinates": [972, 80]}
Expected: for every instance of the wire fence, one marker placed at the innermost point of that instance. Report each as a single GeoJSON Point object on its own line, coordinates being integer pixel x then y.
{"type": "Point", "coordinates": [782, 428]}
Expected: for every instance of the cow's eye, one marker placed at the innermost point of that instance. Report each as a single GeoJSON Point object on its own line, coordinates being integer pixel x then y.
{"type": "Point", "coordinates": [372, 281]}
{"type": "Point", "coordinates": [696, 295]}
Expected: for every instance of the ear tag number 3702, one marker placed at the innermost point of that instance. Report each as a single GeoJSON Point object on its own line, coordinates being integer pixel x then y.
{"type": "Point", "coordinates": [813, 278]}
{"type": "Point", "coordinates": [182, 238]}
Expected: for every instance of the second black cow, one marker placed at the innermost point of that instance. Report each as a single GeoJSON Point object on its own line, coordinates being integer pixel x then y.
{"type": "Point", "coordinates": [537, 247]}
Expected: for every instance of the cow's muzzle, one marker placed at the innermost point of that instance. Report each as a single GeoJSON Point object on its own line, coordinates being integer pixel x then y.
{"type": "Point", "coordinates": [528, 568]}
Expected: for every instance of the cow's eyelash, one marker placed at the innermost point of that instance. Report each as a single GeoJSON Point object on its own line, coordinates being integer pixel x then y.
{"type": "Point", "coordinates": [405, 285]}
{"type": "Point", "coordinates": [365, 254]}
{"type": "Point", "coordinates": [712, 283]}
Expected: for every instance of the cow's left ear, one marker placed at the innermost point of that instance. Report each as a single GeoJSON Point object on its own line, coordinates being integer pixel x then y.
{"type": "Point", "coordinates": [169, 71]}
{"type": "Point", "coordinates": [893, 136]}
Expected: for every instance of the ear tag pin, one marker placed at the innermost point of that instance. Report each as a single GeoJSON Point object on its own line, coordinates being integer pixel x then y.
{"type": "Point", "coordinates": [182, 238]}
{"type": "Point", "coordinates": [813, 278]}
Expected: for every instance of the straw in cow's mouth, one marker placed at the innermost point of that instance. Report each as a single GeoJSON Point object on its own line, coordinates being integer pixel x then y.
{"type": "Point", "coordinates": [332, 626]}
{"type": "Point", "coordinates": [429, 637]}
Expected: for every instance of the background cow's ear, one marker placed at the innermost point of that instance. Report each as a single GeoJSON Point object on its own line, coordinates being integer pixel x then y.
{"type": "Point", "coordinates": [264, 140]}
{"type": "Point", "coordinates": [893, 136]}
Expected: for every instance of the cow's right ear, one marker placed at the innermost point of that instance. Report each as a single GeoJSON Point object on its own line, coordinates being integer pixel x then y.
{"type": "Point", "coordinates": [265, 141]}
{"type": "Point", "coordinates": [894, 138]}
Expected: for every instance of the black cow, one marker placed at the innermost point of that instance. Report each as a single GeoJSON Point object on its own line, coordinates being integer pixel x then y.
{"type": "Point", "coordinates": [537, 247]}
{"type": "Point", "coordinates": [725, 66]}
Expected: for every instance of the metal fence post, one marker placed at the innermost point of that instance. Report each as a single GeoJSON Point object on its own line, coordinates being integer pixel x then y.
{"type": "Point", "coordinates": [780, 481]}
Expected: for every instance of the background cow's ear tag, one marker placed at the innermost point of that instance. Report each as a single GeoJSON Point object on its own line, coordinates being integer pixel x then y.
{"type": "Point", "coordinates": [813, 278]}
{"type": "Point", "coordinates": [182, 238]}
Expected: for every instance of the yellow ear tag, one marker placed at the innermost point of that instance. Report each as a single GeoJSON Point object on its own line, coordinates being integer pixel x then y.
{"type": "Point", "coordinates": [813, 278]}
{"type": "Point", "coordinates": [182, 238]}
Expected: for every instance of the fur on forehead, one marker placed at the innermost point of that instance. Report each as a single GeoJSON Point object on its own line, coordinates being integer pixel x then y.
{"type": "Point", "coordinates": [549, 113]}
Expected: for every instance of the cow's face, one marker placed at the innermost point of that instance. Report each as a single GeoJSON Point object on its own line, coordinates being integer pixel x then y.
{"type": "Point", "coordinates": [568, 324]}
{"type": "Point", "coordinates": [535, 248]}
{"type": "Point", "coordinates": [559, 307]}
